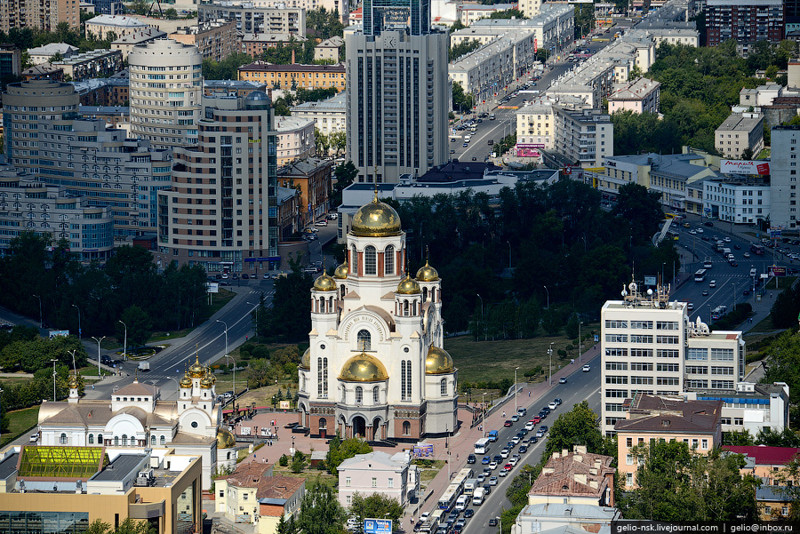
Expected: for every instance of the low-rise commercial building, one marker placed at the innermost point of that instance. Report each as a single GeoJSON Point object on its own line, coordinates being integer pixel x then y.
{"type": "Point", "coordinates": [295, 139]}
{"type": "Point", "coordinates": [740, 132]}
{"type": "Point", "coordinates": [251, 494]}
{"type": "Point", "coordinates": [289, 220]}
{"type": "Point", "coordinates": [240, 88]}
{"type": "Point", "coordinates": [737, 199]}
{"type": "Point", "coordinates": [61, 488]}
{"type": "Point", "coordinates": [577, 477]}
{"type": "Point", "coordinates": [377, 473]}
{"type": "Point", "coordinates": [640, 96]}
{"type": "Point", "coordinates": [572, 518]}
{"type": "Point", "coordinates": [295, 76]}
{"type": "Point", "coordinates": [751, 407]}
{"type": "Point", "coordinates": [92, 64]}
{"type": "Point", "coordinates": [653, 418]}
{"type": "Point", "coordinates": [255, 44]}
{"type": "Point", "coordinates": [215, 39]}
{"type": "Point", "coordinates": [764, 462]}
{"type": "Point", "coordinates": [255, 18]}
{"type": "Point", "coordinates": [312, 177]}
{"type": "Point", "coordinates": [329, 115]}
{"type": "Point", "coordinates": [43, 54]}
{"type": "Point", "coordinates": [472, 12]}
{"type": "Point", "coordinates": [120, 25]}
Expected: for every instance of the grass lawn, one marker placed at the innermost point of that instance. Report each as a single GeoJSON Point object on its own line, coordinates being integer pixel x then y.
{"type": "Point", "coordinates": [311, 475]}
{"type": "Point", "coordinates": [91, 370]}
{"type": "Point", "coordinates": [494, 360]}
{"type": "Point", "coordinates": [19, 423]}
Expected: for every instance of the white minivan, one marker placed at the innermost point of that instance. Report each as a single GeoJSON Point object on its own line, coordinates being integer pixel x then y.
{"type": "Point", "coordinates": [461, 503]}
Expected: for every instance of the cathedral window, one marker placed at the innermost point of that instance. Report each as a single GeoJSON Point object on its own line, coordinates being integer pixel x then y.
{"type": "Point", "coordinates": [405, 308]}
{"type": "Point", "coordinates": [153, 441]}
{"type": "Point", "coordinates": [344, 395]}
{"type": "Point", "coordinates": [323, 423]}
{"type": "Point", "coordinates": [99, 439]}
{"type": "Point", "coordinates": [63, 439]}
{"type": "Point", "coordinates": [163, 440]}
{"type": "Point", "coordinates": [370, 261]}
{"type": "Point", "coordinates": [405, 380]}
{"type": "Point", "coordinates": [354, 261]}
{"type": "Point", "coordinates": [124, 439]}
{"type": "Point", "coordinates": [116, 441]}
{"type": "Point", "coordinates": [359, 395]}
{"type": "Point", "coordinates": [443, 386]}
{"type": "Point", "coordinates": [364, 339]}
{"type": "Point", "coordinates": [388, 260]}
{"type": "Point", "coordinates": [91, 439]}
{"type": "Point", "coordinates": [376, 395]}
{"type": "Point", "coordinates": [406, 428]}
{"type": "Point", "coordinates": [424, 294]}
{"type": "Point", "coordinates": [322, 377]}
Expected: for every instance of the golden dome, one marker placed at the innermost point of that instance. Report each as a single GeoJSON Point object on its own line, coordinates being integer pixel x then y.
{"type": "Point", "coordinates": [186, 382]}
{"type": "Point", "coordinates": [225, 439]}
{"type": "Point", "coordinates": [341, 271]}
{"type": "Point", "coordinates": [363, 368]}
{"type": "Point", "coordinates": [376, 219]}
{"type": "Point", "coordinates": [305, 361]}
{"type": "Point", "coordinates": [325, 283]}
{"type": "Point", "coordinates": [438, 362]}
{"type": "Point", "coordinates": [196, 370]}
{"type": "Point", "coordinates": [207, 382]}
{"type": "Point", "coordinates": [74, 382]}
{"type": "Point", "coordinates": [408, 286]}
{"type": "Point", "coordinates": [427, 273]}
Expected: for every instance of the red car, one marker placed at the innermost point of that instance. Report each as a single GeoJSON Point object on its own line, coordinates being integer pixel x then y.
{"type": "Point", "coordinates": [508, 422]}
{"type": "Point", "coordinates": [508, 467]}
{"type": "Point", "coordinates": [536, 420]}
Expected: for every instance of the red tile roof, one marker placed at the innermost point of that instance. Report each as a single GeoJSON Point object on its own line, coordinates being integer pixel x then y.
{"type": "Point", "coordinates": [764, 455]}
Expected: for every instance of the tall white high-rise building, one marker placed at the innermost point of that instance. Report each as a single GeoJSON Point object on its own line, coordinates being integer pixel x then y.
{"type": "Point", "coordinates": [650, 346]}
{"type": "Point", "coordinates": [783, 179]}
{"type": "Point", "coordinates": [166, 86]}
{"type": "Point", "coordinates": [398, 93]}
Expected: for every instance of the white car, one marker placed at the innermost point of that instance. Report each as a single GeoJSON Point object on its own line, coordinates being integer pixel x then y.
{"type": "Point", "coordinates": [515, 440]}
{"type": "Point", "coordinates": [552, 405]}
{"type": "Point", "coordinates": [586, 369]}
{"type": "Point", "coordinates": [726, 239]}
{"type": "Point", "coordinates": [513, 461]}
{"type": "Point", "coordinates": [493, 465]}
{"type": "Point", "coordinates": [503, 454]}
{"type": "Point", "coordinates": [529, 425]}
{"type": "Point", "coordinates": [492, 481]}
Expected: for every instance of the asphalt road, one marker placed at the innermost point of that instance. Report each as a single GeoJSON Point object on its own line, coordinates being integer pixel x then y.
{"type": "Point", "coordinates": [579, 387]}
{"type": "Point", "coordinates": [506, 119]}
{"type": "Point", "coordinates": [730, 282]}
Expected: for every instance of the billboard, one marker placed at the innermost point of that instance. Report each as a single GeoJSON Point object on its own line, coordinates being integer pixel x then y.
{"type": "Point", "coordinates": [212, 287]}
{"type": "Point", "coordinates": [285, 405]}
{"type": "Point", "coordinates": [778, 271]}
{"type": "Point", "coordinates": [732, 166]}
{"type": "Point", "coordinates": [377, 526]}
{"type": "Point", "coordinates": [58, 333]}
{"type": "Point", "coordinates": [422, 451]}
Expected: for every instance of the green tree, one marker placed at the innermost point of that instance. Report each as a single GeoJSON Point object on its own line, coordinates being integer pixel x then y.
{"type": "Point", "coordinates": [463, 48]}
{"type": "Point", "coordinates": [138, 325]}
{"type": "Point", "coordinates": [785, 311]}
{"type": "Point", "coordinates": [462, 101]}
{"type": "Point", "coordinates": [320, 512]}
{"type": "Point", "coordinates": [772, 438]}
{"type": "Point", "coordinates": [783, 365]}
{"type": "Point", "coordinates": [345, 174]}
{"type": "Point", "coordinates": [579, 426]}
{"type": "Point", "coordinates": [737, 437]}
{"type": "Point", "coordinates": [98, 527]}
{"type": "Point", "coordinates": [508, 14]}
{"type": "Point", "coordinates": [788, 478]}
{"type": "Point", "coordinates": [324, 24]}
{"type": "Point", "coordinates": [298, 462]}
{"type": "Point", "coordinates": [641, 209]}
{"type": "Point", "coordinates": [287, 527]}
{"type": "Point", "coordinates": [376, 506]}
{"type": "Point", "coordinates": [339, 451]}
{"type": "Point", "coordinates": [131, 526]}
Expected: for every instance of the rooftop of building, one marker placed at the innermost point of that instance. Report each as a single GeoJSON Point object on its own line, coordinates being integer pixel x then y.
{"type": "Point", "coordinates": [773, 494]}
{"type": "Point", "coordinates": [575, 474]}
{"type": "Point", "coordinates": [104, 110]}
{"type": "Point", "coordinates": [740, 122]}
{"type": "Point", "coordinates": [374, 460]}
{"type": "Point", "coordinates": [304, 167]}
{"type": "Point", "coordinates": [140, 36]}
{"type": "Point", "coordinates": [337, 102]}
{"type": "Point", "coordinates": [272, 38]}
{"type": "Point", "coordinates": [333, 42]}
{"type": "Point", "coordinates": [295, 67]}
{"type": "Point", "coordinates": [117, 20]}
{"type": "Point", "coordinates": [764, 455]}
{"type": "Point", "coordinates": [455, 171]}
{"type": "Point", "coordinates": [120, 468]}
{"type": "Point", "coordinates": [660, 414]}
{"type": "Point", "coordinates": [286, 193]}
{"type": "Point", "coordinates": [52, 49]}
{"type": "Point", "coordinates": [533, 512]}
{"type": "Point", "coordinates": [288, 124]}
{"type": "Point", "coordinates": [41, 70]}
{"type": "Point", "coordinates": [636, 90]}
{"type": "Point", "coordinates": [91, 55]}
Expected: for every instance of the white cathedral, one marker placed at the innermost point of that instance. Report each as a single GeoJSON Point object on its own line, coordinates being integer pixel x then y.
{"type": "Point", "coordinates": [136, 417]}
{"type": "Point", "coordinates": [375, 367]}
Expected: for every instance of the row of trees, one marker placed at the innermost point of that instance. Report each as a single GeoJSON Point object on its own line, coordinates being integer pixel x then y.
{"type": "Point", "coordinates": [698, 87]}
{"type": "Point", "coordinates": [462, 49]}
{"type": "Point", "coordinates": [93, 298]}
{"type": "Point", "coordinates": [25, 38]}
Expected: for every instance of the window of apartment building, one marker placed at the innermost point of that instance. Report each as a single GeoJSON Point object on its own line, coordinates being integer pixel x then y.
{"type": "Point", "coordinates": [704, 444]}
{"type": "Point", "coordinates": [374, 482]}
{"type": "Point", "coordinates": [668, 381]}
{"type": "Point", "coordinates": [642, 325]}
{"type": "Point", "coordinates": [616, 338]}
{"type": "Point", "coordinates": [391, 482]}
{"type": "Point", "coordinates": [616, 366]}
{"type": "Point", "coordinates": [695, 443]}
{"type": "Point", "coordinates": [696, 370]}
{"type": "Point", "coordinates": [668, 340]}
{"type": "Point", "coordinates": [616, 393]}
{"type": "Point", "coordinates": [641, 366]}
{"type": "Point", "coordinates": [628, 459]}
{"type": "Point", "coordinates": [697, 384]}
{"type": "Point", "coordinates": [722, 354]}
{"type": "Point", "coordinates": [616, 324]}
{"type": "Point", "coordinates": [667, 367]}
{"type": "Point", "coordinates": [646, 380]}
{"type": "Point", "coordinates": [616, 379]}
{"type": "Point", "coordinates": [715, 370]}
{"type": "Point", "coordinates": [616, 352]}
{"type": "Point", "coordinates": [667, 353]}
{"type": "Point", "coordinates": [642, 353]}
{"type": "Point", "coordinates": [667, 325]}
{"type": "Point", "coordinates": [697, 354]}
{"type": "Point", "coordinates": [629, 442]}
{"type": "Point", "coordinates": [639, 338]}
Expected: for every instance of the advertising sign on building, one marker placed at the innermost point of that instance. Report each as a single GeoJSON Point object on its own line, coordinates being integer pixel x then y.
{"type": "Point", "coordinates": [732, 166]}
{"type": "Point", "coordinates": [285, 405]}
{"type": "Point", "coordinates": [778, 271]}
{"type": "Point", "coordinates": [377, 526]}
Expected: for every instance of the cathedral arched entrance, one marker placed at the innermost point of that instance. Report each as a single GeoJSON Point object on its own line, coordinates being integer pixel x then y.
{"type": "Point", "coordinates": [359, 427]}
{"type": "Point", "coordinates": [376, 429]}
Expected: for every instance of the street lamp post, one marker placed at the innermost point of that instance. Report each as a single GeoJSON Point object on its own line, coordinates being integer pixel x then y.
{"type": "Point", "coordinates": [550, 353]}
{"type": "Point", "coordinates": [509, 253]}
{"type": "Point", "coordinates": [580, 340]}
{"type": "Point", "coordinates": [98, 354]}
{"type": "Point", "coordinates": [226, 355]}
{"type": "Point", "coordinates": [41, 321]}
{"type": "Point", "coordinates": [80, 332]}
{"type": "Point", "coordinates": [125, 341]}
{"type": "Point", "coordinates": [256, 306]}
{"type": "Point", "coordinates": [515, 389]}
{"type": "Point", "coordinates": [54, 378]}
{"type": "Point", "coordinates": [548, 297]}
{"type": "Point", "coordinates": [477, 336]}
{"type": "Point", "coordinates": [483, 420]}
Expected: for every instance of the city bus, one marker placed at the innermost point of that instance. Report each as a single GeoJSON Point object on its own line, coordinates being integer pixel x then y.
{"type": "Point", "coordinates": [449, 497]}
{"type": "Point", "coordinates": [482, 446]}
{"type": "Point", "coordinates": [700, 275]}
